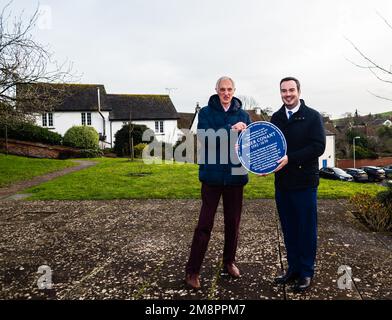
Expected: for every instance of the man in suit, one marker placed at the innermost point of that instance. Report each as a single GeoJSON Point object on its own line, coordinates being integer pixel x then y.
{"type": "Point", "coordinates": [296, 182]}
{"type": "Point", "coordinates": [219, 177]}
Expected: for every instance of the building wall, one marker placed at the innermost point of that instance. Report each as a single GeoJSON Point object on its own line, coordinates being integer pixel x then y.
{"type": "Point", "coordinates": [62, 121]}
{"type": "Point", "coordinates": [329, 153]}
{"type": "Point", "coordinates": [171, 133]}
{"type": "Point", "coordinates": [194, 124]}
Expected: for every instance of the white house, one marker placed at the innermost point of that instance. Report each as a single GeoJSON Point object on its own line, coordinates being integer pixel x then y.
{"type": "Point", "coordinates": [329, 156]}
{"type": "Point", "coordinates": [387, 123]}
{"type": "Point", "coordinates": [156, 112]}
{"type": "Point", "coordinates": [90, 105]}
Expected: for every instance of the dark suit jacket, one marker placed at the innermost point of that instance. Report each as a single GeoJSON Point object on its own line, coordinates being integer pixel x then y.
{"type": "Point", "coordinates": [305, 137]}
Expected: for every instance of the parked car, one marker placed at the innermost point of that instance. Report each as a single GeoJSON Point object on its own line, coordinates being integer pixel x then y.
{"type": "Point", "coordinates": [388, 171]}
{"type": "Point", "coordinates": [358, 174]}
{"type": "Point", "coordinates": [335, 174]}
{"type": "Point", "coordinates": [374, 173]}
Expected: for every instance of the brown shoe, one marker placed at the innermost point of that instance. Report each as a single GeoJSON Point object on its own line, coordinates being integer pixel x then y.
{"type": "Point", "coordinates": [232, 270]}
{"type": "Point", "coordinates": [193, 281]}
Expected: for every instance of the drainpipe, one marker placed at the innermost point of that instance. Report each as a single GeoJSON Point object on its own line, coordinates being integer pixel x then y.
{"type": "Point", "coordinates": [103, 118]}
{"type": "Point", "coordinates": [111, 135]}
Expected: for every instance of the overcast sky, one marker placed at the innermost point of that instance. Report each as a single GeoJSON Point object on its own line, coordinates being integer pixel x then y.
{"type": "Point", "coordinates": [146, 46]}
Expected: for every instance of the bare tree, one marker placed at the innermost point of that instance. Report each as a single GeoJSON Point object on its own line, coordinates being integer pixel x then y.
{"type": "Point", "coordinates": [325, 115]}
{"type": "Point", "coordinates": [248, 102]}
{"type": "Point", "coordinates": [381, 72]}
{"type": "Point", "coordinates": [24, 63]}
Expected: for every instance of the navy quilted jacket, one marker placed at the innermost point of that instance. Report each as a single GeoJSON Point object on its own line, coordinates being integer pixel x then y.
{"type": "Point", "coordinates": [217, 169]}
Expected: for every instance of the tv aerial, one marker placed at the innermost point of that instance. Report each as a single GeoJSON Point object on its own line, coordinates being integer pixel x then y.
{"type": "Point", "coordinates": [169, 90]}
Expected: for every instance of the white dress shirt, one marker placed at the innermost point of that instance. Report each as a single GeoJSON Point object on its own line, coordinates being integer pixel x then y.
{"type": "Point", "coordinates": [294, 110]}
{"type": "Point", "coordinates": [226, 109]}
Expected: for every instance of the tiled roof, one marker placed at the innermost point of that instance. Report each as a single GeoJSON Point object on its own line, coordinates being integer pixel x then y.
{"type": "Point", "coordinates": [73, 97]}
{"type": "Point", "coordinates": [185, 120]}
{"type": "Point", "coordinates": [84, 97]}
{"type": "Point", "coordinates": [141, 107]}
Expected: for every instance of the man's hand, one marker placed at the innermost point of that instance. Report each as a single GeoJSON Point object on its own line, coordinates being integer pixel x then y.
{"type": "Point", "coordinates": [282, 162]}
{"type": "Point", "coordinates": [239, 126]}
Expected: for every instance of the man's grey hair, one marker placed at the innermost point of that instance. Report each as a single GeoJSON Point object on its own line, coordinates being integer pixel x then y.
{"type": "Point", "coordinates": [222, 79]}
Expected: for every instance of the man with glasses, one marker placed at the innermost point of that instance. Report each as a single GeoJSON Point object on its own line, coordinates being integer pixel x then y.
{"type": "Point", "coordinates": [219, 178]}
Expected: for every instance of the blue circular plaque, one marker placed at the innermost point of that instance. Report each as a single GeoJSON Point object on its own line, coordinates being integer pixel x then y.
{"type": "Point", "coordinates": [260, 146]}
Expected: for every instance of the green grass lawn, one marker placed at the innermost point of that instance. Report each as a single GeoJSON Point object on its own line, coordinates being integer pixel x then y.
{"type": "Point", "coordinates": [121, 179]}
{"type": "Point", "coordinates": [14, 168]}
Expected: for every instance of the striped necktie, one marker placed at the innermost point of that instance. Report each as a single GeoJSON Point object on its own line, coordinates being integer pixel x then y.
{"type": "Point", "coordinates": [290, 113]}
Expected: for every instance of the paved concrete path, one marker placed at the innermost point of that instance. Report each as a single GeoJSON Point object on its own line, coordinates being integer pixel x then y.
{"type": "Point", "coordinates": [12, 190]}
{"type": "Point", "coordinates": [137, 249]}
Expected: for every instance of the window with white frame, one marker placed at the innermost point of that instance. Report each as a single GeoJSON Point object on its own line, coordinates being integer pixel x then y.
{"type": "Point", "coordinates": [159, 127]}
{"type": "Point", "coordinates": [86, 118]}
{"type": "Point", "coordinates": [47, 119]}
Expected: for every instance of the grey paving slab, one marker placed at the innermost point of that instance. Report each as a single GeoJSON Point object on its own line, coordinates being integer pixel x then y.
{"type": "Point", "coordinates": [137, 249]}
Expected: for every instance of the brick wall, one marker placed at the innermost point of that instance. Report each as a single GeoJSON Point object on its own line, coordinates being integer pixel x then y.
{"type": "Point", "coordinates": [37, 150]}
{"type": "Point", "coordinates": [349, 163]}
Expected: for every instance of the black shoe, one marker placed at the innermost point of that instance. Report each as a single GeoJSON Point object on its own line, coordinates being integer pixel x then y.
{"type": "Point", "coordinates": [286, 278]}
{"type": "Point", "coordinates": [303, 284]}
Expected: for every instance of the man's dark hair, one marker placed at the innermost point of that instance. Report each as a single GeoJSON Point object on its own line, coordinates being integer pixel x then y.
{"type": "Point", "coordinates": [291, 79]}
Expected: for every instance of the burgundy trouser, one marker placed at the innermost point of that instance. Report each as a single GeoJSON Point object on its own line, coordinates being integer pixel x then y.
{"type": "Point", "coordinates": [232, 207]}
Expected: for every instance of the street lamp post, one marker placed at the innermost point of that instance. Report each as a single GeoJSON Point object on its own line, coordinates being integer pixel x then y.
{"type": "Point", "coordinates": [354, 148]}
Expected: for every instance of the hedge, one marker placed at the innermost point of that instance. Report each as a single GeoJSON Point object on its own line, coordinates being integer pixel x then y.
{"type": "Point", "coordinates": [32, 133]}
